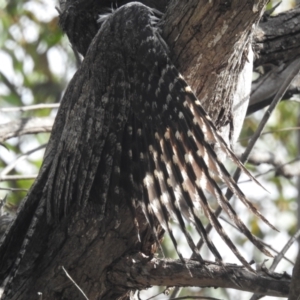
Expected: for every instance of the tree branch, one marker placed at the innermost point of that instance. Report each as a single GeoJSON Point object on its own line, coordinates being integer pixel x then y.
{"type": "Point", "coordinates": [278, 258]}
{"type": "Point", "coordinates": [272, 45]}
{"type": "Point", "coordinates": [25, 126]}
{"type": "Point", "coordinates": [264, 89]}
{"type": "Point", "coordinates": [281, 168]}
{"type": "Point", "coordinates": [276, 50]}
{"type": "Point", "coordinates": [17, 177]}
{"type": "Point", "coordinates": [30, 107]}
{"type": "Point", "coordinates": [25, 155]}
{"type": "Point", "coordinates": [142, 273]}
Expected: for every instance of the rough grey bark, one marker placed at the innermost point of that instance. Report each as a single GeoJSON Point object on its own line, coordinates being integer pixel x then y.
{"type": "Point", "coordinates": [277, 39]}
{"type": "Point", "coordinates": [200, 37]}
{"type": "Point", "coordinates": [276, 46]}
{"type": "Point", "coordinates": [100, 242]}
{"type": "Point", "coordinates": [141, 271]}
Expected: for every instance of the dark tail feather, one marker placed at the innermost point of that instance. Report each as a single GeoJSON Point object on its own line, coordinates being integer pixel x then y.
{"type": "Point", "coordinates": [141, 172]}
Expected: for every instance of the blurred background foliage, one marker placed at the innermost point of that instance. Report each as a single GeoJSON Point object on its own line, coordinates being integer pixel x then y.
{"type": "Point", "coordinates": [36, 64]}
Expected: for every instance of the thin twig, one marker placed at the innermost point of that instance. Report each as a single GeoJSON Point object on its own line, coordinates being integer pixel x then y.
{"type": "Point", "coordinates": [278, 258]}
{"type": "Point", "coordinates": [17, 177]}
{"type": "Point", "coordinates": [30, 107]}
{"type": "Point", "coordinates": [265, 244]}
{"type": "Point", "coordinates": [264, 121]}
{"type": "Point", "coordinates": [12, 165]}
{"type": "Point", "coordinates": [76, 285]}
{"type": "Point", "coordinates": [272, 131]}
{"type": "Point", "coordinates": [10, 85]}
{"type": "Point", "coordinates": [281, 254]}
{"type": "Point", "coordinates": [13, 189]}
{"type": "Point", "coordinates": [272, 170]}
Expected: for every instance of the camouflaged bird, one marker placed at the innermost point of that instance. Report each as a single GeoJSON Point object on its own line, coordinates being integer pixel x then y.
{"type": "Point", "coordinates": [142, 126]}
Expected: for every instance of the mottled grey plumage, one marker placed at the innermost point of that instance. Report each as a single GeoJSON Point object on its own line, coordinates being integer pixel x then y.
{"type": "Point", "coordinates": [140, 134]}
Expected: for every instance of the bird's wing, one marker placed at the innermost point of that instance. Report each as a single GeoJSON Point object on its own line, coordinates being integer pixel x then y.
{"type": "Point", "coordinates": [175, 140]}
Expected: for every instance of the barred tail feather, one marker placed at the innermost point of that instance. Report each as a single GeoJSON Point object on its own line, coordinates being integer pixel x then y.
{"type": "Point", "coordinates": [155, 192]}
{"type": "Point", "coordinates": [168, 198]}
{"type": "Point", "coordinates": [194, 191]}
{"type": "Point", "coordinates": [186, 196]}
{"type": "Point", "coordinates": [211, 159]}
{"type": "Point", "coordinates": [205, 121]}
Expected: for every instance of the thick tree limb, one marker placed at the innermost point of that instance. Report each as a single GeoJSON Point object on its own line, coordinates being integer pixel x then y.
{"type": "Point", "coordinates": [276, 51]}
{"type": "Point", "coordinates": [278, 38]}
{"type": "Point", "coordinates": [138, 272]}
